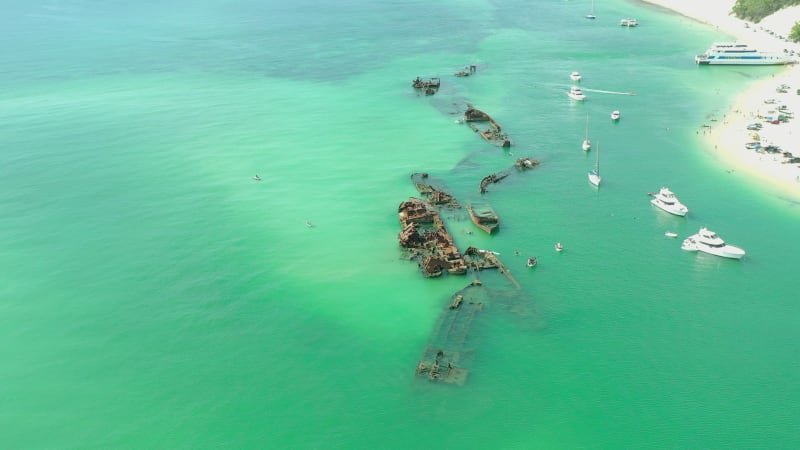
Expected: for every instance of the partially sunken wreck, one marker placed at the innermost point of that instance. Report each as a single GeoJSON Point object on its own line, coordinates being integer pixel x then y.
{"type": "Point", "coordinates": [448, 350]}
{"type": "Point", "coordinates": [427, 240]}
{"type": "Point", "coordinates": [484, 217]}
{"type": "Point", "coordinates": [493, 134]}
{"type": "Point", "coordinates": [430, 85]}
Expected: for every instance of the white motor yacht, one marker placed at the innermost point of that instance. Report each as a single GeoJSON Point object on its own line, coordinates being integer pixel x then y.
{"type": "Point", "coordinates": [667, 201]}
{"type": "Point", "coordinates": [575, 76]}
{"type": "Point", "coordinates": [615, 115]}
{"type": "Point", "coordinates": [707, 241]}
{"type": "Point", "coordinates": [629, 22]}
{"type": "Point", "coordinates": [576, 93]}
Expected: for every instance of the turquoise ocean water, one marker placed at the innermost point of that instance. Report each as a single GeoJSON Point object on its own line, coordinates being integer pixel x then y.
{"type": "Point", "coordinates": [155, 296]}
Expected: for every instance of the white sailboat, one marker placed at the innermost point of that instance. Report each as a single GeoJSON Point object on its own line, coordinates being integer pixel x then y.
{"type": "Point", "coordinates": [587, 144]}
{"type": "Point", "coordinates": [591, 14]}
{"type": "Point", "coordinates": [594, 175]}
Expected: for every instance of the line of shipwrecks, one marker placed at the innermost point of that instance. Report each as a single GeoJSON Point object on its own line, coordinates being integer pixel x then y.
{"type": "Point", "coordinates": [494, 134]}
{"type": "Point", "coordinates": [425, 238]}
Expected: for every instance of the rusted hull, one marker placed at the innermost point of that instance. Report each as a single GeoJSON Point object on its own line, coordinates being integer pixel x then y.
{"type": "Point", "coordinates": [489, 224]}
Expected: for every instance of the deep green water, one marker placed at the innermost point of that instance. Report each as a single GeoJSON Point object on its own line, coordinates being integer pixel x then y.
{"type": "Point", "coordinates": [155, 296]}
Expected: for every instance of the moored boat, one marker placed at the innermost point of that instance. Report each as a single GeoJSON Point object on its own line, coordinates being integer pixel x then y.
{"type": "Point", "coordinates": [532, 261]}
{"type": "Point", "coordinates": [629, 22]}
{"type": "Point", "coordinates": [709, 242]}
{"type": "Point", "coordinates": [484, 217]}
{"type": "Point", "coordinates": [615, 115]}
{"type": "Point", "coordinates": [587, 144]}
{"type": "Point", "coordinates": [594, 175]}
{"type": "Point", "coordinates": [736, 53]}
{"type": "Point", "coordinates": [575, 76]}
{"type": "Point", "coordinates": [666, 200]}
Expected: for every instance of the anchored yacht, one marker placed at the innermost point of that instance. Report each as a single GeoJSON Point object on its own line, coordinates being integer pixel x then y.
{"type": "Point", "coordinates": [667, 201]}
{"type": "Point", "coordinates": [707, 241]}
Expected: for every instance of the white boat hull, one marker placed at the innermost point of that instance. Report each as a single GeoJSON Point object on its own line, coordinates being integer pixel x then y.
{"type": "Point", "coordinates": [594, 178]}
{"type": "Point", "coordinates": [726, 251]}
{"type": "Point", "coordinates": [765, 61]}
{"type": "Point", "coordinates": [577, 97]}
{"type": "Point", "coordinates": [678, 210]}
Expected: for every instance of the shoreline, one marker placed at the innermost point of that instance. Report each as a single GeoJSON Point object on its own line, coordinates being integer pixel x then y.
{"type": "Point", "coordinates": [726, 139]}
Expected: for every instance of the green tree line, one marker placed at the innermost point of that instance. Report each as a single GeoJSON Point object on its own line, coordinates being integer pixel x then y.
{"type": "Point", "coordinates": [755, 10]}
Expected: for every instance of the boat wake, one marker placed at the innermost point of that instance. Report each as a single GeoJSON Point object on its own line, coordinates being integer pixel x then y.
{"type": "Point", "coordinates": [609, 92]}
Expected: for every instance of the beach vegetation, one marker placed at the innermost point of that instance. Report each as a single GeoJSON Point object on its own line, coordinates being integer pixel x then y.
{"type": "Point", "coordinates": [794, 35]}
{"type": "Point", "coordinates": [756, 10]}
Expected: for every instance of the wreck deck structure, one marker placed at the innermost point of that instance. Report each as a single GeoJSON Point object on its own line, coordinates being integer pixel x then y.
{"type": "Point", "coordinates": [426, 239]}
{"type": "Point", "coordinates": [434, 192]}
{"type": "Point", "coordinates": [494, 134]}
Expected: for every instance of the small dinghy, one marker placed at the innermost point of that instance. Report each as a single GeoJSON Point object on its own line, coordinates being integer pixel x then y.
{"type": "Point", "coordinates": [670, 234]}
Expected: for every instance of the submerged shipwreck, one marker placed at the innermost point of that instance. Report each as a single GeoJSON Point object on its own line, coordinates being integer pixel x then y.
{"type": "Point", "coordinates": [447, 352]}
{"type": "Point", "coordinates": [435, 193]}
{"type": "Point", "coordinates": [493, 134]}
{"type": "Point", "coordinates": [484, 217]}
{"type": "Point", "coordinates": [427, 240]}
{"type": "Point", "coordinates": [430, 85]}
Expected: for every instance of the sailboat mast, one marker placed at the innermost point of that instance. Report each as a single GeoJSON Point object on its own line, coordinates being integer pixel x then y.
{"type": "Point", "coordinates": [597, 162]}
{"type": "Point", "coordinates": [587, 126]}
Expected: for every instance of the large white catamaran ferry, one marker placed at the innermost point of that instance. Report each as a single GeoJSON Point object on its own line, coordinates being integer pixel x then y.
{"type": "Point", "coordinates": [735, 53]}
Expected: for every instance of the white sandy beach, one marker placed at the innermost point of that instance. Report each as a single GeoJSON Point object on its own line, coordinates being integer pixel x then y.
{"type": "Point", "coordinates": [727, 136]}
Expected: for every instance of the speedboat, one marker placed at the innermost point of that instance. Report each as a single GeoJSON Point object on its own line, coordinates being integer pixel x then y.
{"type": "Point", "coordinates": [257, 178]}
{"type": "Point", "coordinates": [532, 261]}
{"type": "Point", "coordinates": [575, 76]}
{"type": "Point", "coordinates": [709, 242]}
{"type": "Point", "coordinates": [667, 201]}
{"type": "Point", "coordinates": [615, 115]}
{"type": "Point", "coordinates": [576, 93]}
{"type": "Point", "coordinates": [559, 247]}
{"type": "Point", "coordinates": [670, 234]}
{"type": "Point", "coordinates": [629, 22]}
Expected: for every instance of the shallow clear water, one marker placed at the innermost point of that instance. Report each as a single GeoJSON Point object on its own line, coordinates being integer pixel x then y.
{"type": "Point", "coordinates": [156, 296]}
